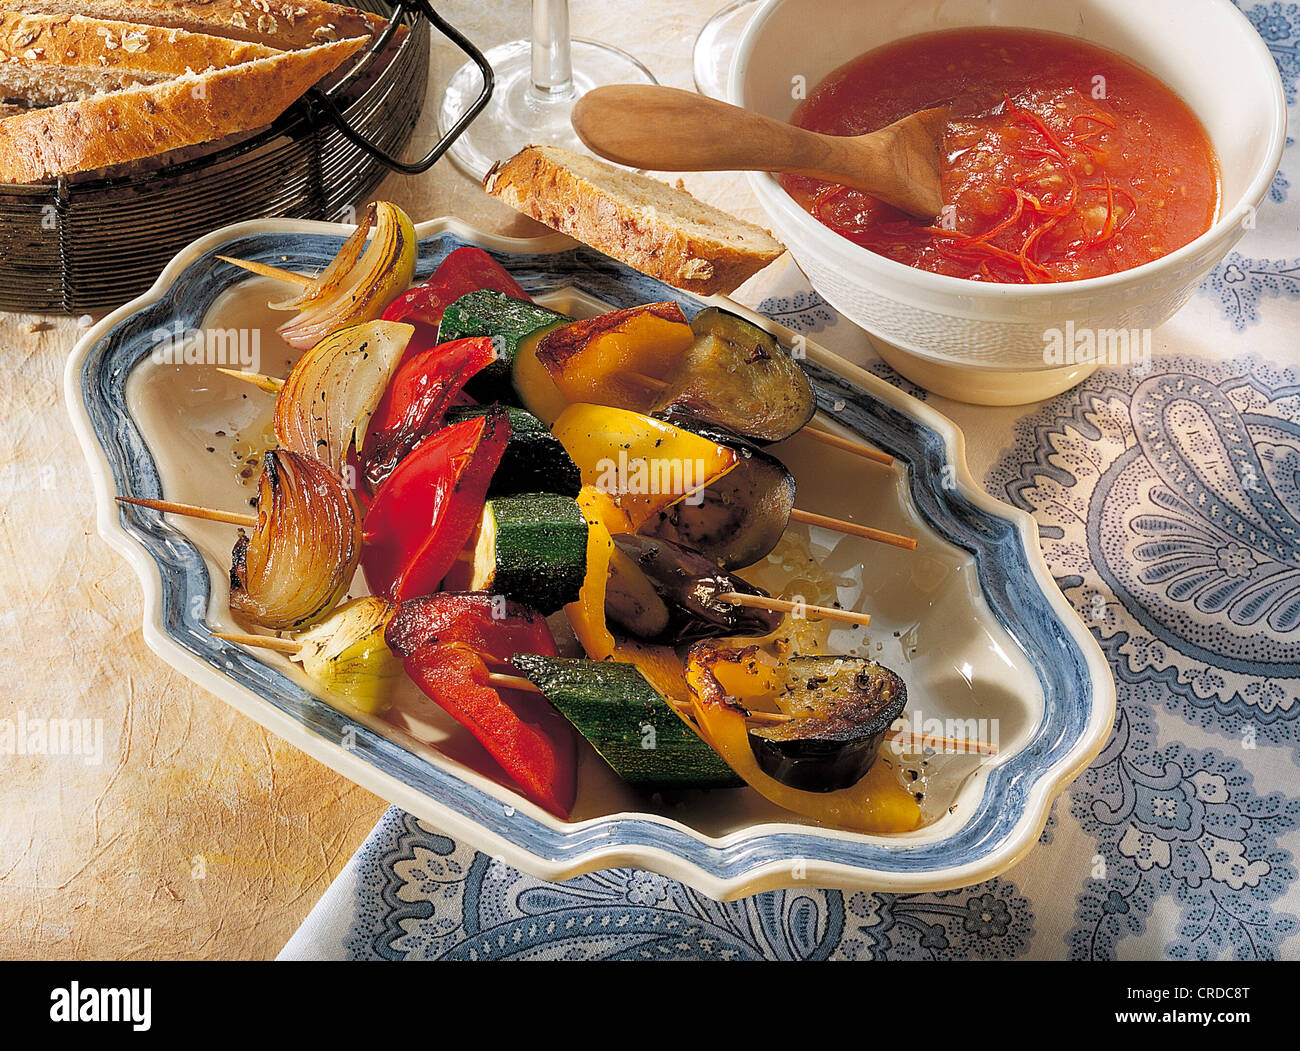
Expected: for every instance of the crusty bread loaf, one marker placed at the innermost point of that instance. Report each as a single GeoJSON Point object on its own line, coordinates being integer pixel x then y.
{"type": "Point", "coordinates": [658, 229]}
{"type": "Point", "coordinates": [112, 129]}
{"type": "Point", "coordinates": [46, 60]}
{"type": "Point", "coordinates": [283, 24]}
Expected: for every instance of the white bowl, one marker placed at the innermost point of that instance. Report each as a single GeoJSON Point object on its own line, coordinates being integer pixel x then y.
{"type": "Point", "coordinates": [985, 342]}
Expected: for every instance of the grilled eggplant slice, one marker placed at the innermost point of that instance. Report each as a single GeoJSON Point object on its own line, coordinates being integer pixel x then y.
{"type": "Point", "coordinates": [841, 708]}
{"type": "Point", "coordinates": [737, 376]}
{"type": "Point", "coordinates": [738, 519]}
{"type": "Point", "coordinates": [727, 685]}
{"type": "Point", "coordinates": [631, 600]}
{"type": "Point", "coordinates": [690, 585]}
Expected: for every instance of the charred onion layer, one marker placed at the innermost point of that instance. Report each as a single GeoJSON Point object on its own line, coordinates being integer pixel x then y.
{"type": "Point", "coordinates": [299, 561]}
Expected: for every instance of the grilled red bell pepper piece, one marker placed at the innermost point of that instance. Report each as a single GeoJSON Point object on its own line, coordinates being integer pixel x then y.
{"type": "Point", "coordinates": [415, 400]}
{"type": "Point", "coordinates": [423, 514]}
{"type": "Point", "coordinates": [440, 639]}
{"type": "Point", "coordinates": [467, 269]}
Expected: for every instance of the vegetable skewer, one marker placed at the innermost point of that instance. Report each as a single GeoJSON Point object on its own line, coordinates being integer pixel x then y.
{"type": "Point", "coordinates": [817, 434]}
{"type": "Point", "coordinates": [507, 681]}
{"type": "Point", "coordinates": [272, 385]}
{"type": "Point", "coordinates": [772, 604]}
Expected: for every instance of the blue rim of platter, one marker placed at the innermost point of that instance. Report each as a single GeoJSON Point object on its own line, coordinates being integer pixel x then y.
{"type": "Point", "coordinates": [1074, 698]}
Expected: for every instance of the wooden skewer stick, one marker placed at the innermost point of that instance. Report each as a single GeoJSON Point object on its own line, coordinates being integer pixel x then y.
{"type": "Point", "coordinates": [772, 718]}
{"type": "Point", "coordinates": [288, 647]}
{"type": "Point", "coordinates": [192, 511]}
{"type": "Point", "coordinates": [853, 529]}
{"type": "Point", "coordinates": [512, 682]}
{"type": "Point", "coordinates": [816, 433]}
{"type": "Point", "coordinates": [805, 610]}
{"type": "Point", "coordinates": [267, 383]}
{"type": "Point", "coordinates": [947, 745]}
{"type": "Point", "coordinates": [301, 280]}
{"type": "Point", "coordinates": [735, 598]}
{"type": "Point", "coordinates": [848, 445]}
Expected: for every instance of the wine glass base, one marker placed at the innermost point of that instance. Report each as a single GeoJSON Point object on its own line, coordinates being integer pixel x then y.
{"type": "Point", "coordinates": [518, 115]}
{"type": "Point", "coordinates": [716, 46]}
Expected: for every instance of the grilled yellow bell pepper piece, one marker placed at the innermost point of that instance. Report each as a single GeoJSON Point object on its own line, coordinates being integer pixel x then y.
{"type": "Point", "coordinates": [645, 464]}
{"type": "Point", "coordinates": [587, 614]}
{"type": "Point", "coordinates": [616, 358]}
{"type": "Point", "coordinates": [659, 664]}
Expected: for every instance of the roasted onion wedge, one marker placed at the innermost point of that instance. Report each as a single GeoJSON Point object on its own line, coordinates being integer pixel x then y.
{"type": "Point", "coordinates": [299, 561]}
{"type": "Point", "coordinates": [333, 275]}
{"type": "Point", "coordinates": [326, 403]}
{"type": "Point", "coordinates": [347, 658]}
{"type": "Point", "coordinates": [362, 290]}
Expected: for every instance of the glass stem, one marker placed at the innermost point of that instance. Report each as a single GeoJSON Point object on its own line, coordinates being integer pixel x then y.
{"type": "Point", "coordinates": [552, 63]}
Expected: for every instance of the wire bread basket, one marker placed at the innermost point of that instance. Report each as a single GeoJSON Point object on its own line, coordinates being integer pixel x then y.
{"type": "Point", "coordinates": [85, 243]}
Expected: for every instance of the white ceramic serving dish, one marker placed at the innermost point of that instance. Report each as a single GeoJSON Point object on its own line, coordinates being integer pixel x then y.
{"type": "Point", "coordinates": [981, 342]}
{"type": "Point", "coordinates": [972, 619]}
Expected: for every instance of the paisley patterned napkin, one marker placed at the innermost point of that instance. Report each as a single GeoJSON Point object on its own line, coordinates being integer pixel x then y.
{"type": "Point", "coordinates": [1168, 503]}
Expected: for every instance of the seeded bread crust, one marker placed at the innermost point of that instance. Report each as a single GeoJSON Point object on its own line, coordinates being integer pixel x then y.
{"type": "Point", "coordinates": [282, 24]}
{"type": "Point", "coordinates": [46, 60]}
{"type": "Point", "coordinates": [655, 228]}
{"type": "Point", "coordinates": [106, 130]}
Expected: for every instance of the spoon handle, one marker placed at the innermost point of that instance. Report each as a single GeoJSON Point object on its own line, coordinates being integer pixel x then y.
{"type": "Point", "coordinates": [667, 129]}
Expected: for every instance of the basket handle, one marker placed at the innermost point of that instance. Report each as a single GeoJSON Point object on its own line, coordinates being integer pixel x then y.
{"type": "Point", "coordinates": [324, 100]}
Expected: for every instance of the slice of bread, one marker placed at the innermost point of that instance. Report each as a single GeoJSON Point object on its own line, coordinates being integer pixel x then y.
{"type": "Point", "coordinates": [46, 60]}
{"type": "Point", "coordinates": [658, 229]}
{"type": "Point", "coordinates": [283, 24]}
{"type": "Point", "coordinates": [106, 130]}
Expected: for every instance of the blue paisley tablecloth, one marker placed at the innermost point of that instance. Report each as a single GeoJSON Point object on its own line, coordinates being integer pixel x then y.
{"type": "Point", "coordinates": [1169, 508]}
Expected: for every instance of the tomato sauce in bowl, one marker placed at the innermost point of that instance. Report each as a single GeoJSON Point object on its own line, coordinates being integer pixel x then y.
{"type": "Point", "coordinates": [1063, 160]}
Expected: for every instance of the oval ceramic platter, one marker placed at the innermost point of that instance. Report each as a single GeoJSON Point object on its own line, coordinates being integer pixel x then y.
{"type": "Point", "coordinates": [972, 619]}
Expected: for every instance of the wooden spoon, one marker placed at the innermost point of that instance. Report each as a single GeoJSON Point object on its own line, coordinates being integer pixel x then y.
{"type": "Point", "coordinates": [666, 129]}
